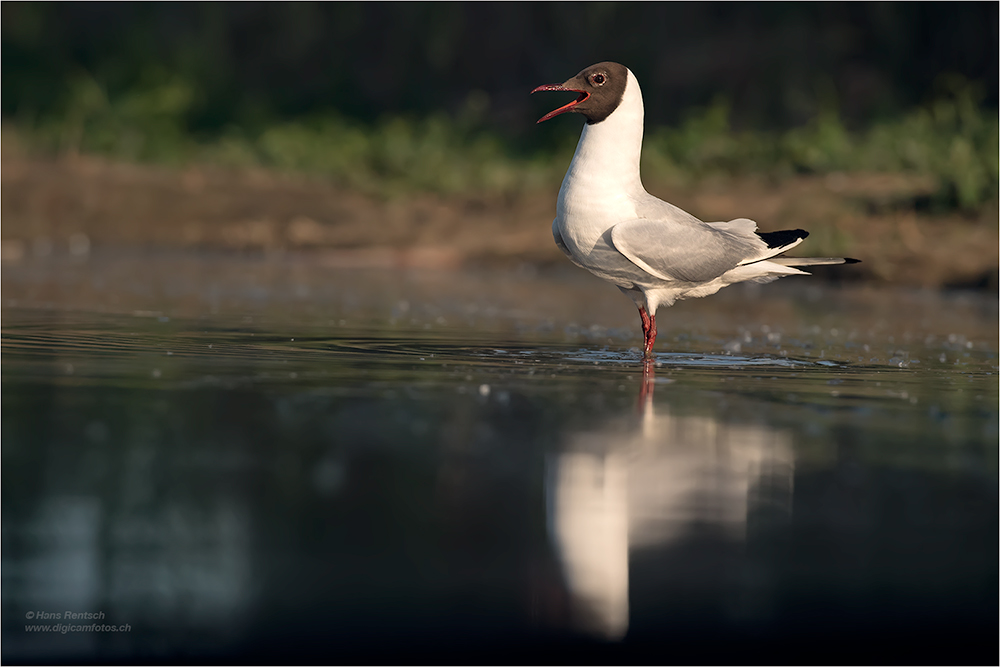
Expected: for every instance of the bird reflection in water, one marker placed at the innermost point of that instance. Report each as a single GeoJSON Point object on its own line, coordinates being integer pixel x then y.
{"type": "Point", "coordinates": [644, 483]}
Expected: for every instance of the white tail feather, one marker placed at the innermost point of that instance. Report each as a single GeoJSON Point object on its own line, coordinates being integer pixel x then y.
{"type": "Point", "coordinates": [808, 261]}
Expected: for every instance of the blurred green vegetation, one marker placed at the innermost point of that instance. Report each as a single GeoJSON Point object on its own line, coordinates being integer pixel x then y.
{"type": "Point", "coordinates": [952, 140]}
{"type": "Point", "coordinates": [391, 155]}
{"type": "Point", "coordinates": [391, 98]}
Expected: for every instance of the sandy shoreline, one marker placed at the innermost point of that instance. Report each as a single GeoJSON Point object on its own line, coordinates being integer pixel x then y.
{"type": "Point", "coordinates": [72, 204]}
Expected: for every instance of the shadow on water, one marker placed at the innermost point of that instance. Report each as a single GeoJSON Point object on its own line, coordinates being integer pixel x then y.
{"type": "Point", "coordinates": [337, 488]}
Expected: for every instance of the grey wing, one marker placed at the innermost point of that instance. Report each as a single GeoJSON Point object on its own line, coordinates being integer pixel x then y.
{"type": "Point", "coordinates": [682, 248]}
{"type": "Point", "coordinates": [741, 226]}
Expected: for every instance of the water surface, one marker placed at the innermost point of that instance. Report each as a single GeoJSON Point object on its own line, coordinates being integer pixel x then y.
{"type": "Point", "coordinates": [278, 457]}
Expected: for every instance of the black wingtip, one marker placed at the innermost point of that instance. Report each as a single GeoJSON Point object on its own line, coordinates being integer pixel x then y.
{"type": "Point", "coordinates": [782, 238]}
{"type": "Point", "coordinates": [851, 260]}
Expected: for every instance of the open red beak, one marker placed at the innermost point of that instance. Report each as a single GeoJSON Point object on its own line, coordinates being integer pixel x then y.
{"type": "Point", "coordinates": [567, 107]}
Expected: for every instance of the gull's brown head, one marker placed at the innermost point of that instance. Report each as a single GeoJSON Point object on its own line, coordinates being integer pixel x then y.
{"type": "Point", "coordinates": [600, 89]}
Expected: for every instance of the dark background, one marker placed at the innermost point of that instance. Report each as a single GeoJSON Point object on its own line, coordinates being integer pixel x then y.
{"type": "Point", "coordinates": [254, 63]}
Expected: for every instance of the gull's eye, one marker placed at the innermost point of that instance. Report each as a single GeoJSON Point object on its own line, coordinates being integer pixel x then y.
{"type": "Point", "coordinates": [598, 79]}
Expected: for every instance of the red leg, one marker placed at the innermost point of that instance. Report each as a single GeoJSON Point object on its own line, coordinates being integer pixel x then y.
{"type": "Point", "coordinates": [652, 335]}
{"type": "Point", "coordinates": [648, 331]}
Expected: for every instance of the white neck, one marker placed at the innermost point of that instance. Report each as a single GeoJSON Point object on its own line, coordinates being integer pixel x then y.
{"type": "Point", "coordinates": [605, 167]}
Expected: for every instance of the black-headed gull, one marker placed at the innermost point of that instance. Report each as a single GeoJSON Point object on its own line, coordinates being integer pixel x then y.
{"type": "Point", "coordinates": [654, 252]}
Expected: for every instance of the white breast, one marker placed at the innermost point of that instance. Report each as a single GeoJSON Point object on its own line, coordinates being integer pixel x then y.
{"type": "Point", "coordinates": [602, 183]}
